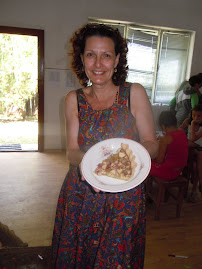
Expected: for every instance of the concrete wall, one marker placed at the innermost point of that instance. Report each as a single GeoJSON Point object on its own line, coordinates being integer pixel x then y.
{"type": "Point", "coordinates": [59, 18]}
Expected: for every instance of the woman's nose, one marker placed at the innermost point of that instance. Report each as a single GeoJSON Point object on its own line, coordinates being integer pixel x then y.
{"type": "Point", "coordinates": [98, 61]}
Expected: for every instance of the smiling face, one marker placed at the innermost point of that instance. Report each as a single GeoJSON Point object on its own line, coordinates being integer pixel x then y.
{"type": "Point", "coordinates": [99, 59]}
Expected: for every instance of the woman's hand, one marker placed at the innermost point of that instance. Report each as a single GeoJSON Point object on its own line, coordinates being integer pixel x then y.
{"type": "Point", "coordinates": [83, 179]}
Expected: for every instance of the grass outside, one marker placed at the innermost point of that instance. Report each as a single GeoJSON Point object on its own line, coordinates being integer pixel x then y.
{"type": "Point", "coordinates": [18, 132]}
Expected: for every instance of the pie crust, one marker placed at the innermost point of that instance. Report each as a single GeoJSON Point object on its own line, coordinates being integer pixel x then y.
{"type": "Point", "coordinates": [120, 165]}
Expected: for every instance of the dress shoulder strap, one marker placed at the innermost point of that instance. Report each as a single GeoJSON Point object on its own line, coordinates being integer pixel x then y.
{"type": "Point", "coordinates": [124, 94]}
{"type": "Point", "coordinates": [81, 99]}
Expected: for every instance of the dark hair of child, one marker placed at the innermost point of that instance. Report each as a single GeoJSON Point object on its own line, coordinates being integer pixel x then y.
{"type": "Point", "coordinates": [194, 80]}
{"type": "Point", "coordinates": [167, 118]}
{"type": "Point", "coordinates": [199, 75]}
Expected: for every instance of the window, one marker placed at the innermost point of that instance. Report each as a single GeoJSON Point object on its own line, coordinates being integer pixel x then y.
{"type": "Point", "coordinates": [158, 58]}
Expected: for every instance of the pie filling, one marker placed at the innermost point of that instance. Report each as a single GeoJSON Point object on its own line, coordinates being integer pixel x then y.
{"type": "Point", "coordinates": [120, 165]}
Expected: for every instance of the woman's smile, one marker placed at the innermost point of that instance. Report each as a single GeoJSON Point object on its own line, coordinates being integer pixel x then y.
{"type": "Point", "coordinates": [98, 72]}
{"type": "Point", "coordinates": [99, 59]}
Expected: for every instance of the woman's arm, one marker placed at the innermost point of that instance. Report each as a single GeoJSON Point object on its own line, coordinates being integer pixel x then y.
{"type": "Point", "coordinates": [142, 111]}
{"type": "Point", "coordinates": [74, 154]}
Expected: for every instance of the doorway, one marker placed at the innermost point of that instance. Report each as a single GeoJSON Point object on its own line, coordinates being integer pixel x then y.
{"type": "Point", "coordinates": [21, 89]}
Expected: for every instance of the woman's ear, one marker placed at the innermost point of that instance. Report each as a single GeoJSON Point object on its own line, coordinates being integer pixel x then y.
{"type": "Point", "coordinates": [117, 60]}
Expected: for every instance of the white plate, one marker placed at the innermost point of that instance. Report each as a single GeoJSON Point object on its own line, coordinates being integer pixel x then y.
{"type": "Point", "coordinates": [100, 151]}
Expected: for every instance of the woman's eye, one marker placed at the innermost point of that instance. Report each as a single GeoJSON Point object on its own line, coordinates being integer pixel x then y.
{"type": "Point", "coordinates": [107, 55]}
{"type": "Point", "coordinates": [89, 54]}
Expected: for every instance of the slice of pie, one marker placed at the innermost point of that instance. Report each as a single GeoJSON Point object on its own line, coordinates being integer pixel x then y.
{"type": "Point", "coordinates": [120, 165]}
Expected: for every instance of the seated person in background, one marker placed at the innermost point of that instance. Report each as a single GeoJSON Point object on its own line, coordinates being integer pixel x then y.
{"type": "Point", "coordinates": [173, 149]}
{"type": "Point", "coordinates": [194, 125]}
{"type": "Point", "coordinates": [186, 98]}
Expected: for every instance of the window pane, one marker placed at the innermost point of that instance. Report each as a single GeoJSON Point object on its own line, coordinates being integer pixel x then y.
{"type": "Point", "coordinates": [142, 48]}
{"type": "Point", "coordinates": [145, 79]}
{"type": "Point", "coordinates": [172, 65]}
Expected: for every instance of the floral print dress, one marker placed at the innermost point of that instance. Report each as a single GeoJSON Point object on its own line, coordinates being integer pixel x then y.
{"type": "Point", "coordinates": [100, 230]}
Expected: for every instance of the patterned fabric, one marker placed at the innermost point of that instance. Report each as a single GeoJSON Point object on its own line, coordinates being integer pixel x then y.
{"type": "Point", "coordinates": [100, 230]}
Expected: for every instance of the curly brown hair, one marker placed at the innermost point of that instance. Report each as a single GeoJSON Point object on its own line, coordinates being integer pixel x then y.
{"type": "Point", "coordinates": [78, 42]}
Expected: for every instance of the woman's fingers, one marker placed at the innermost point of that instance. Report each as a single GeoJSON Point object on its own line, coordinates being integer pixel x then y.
{"type": "Point", "coordinates": [83, 179]}
{"type": "Point", "coordinates": [96, 190]}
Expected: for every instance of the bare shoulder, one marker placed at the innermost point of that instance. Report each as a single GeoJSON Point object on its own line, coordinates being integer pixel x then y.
{"type": "Point", "coordinates": [70, 104]}
{"type": "Point", "coordinates": [139, 99]}
{"type": "Point", "coordinates": [137, 88]}
{"type": "Point", "coordinates": [138, 93]}
{"type": "Point", "coordinates": [166, 139]}
{"type": "Point", "coordinates": [71, 97]}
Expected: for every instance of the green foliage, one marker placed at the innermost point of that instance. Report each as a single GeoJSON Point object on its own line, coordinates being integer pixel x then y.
{"type": "Point", "coordinates": [18, 72]}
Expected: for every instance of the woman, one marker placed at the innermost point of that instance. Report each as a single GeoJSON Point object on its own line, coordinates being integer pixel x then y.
{"type": "Point", "coordinates": [95, 229]}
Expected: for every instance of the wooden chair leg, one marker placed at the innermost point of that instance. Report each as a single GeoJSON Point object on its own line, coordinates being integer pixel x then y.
{"type": "Point", "coordinates": [166, 196]}
{"type": "Point", "coordinates": [160, 199]}
{"type": "Point", "coordinates": [186, 189]}
{"type": "Point", "coordinates": [186, 174]}
{"type": "Point", "coordinates": [180, 200]}
{"type": "Point", "coordinates": [148, 187]}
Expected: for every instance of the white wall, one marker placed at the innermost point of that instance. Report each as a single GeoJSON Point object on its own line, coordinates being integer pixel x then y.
{"type": "Point", "coordinates": [59, 18]}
